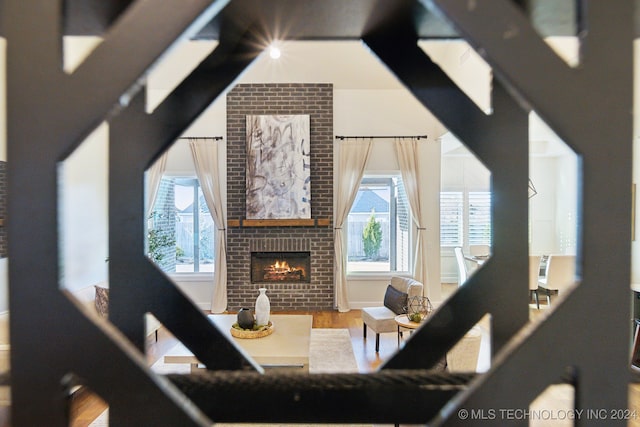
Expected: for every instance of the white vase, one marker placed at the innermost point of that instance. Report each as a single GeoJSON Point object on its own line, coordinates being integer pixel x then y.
{"type": "Point", "coordinates": [263, 307]}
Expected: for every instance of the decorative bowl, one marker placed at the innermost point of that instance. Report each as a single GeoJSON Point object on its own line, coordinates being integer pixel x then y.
{"type": "Point", "coordinates": [255, 332]}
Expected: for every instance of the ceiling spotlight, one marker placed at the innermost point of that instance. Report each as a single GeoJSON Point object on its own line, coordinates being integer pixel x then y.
{"type": "Point", "coordinates": [274, 52]}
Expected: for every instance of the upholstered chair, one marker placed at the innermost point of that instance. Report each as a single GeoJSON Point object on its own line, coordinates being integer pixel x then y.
{"type": "Point", "coordinates": [381, 319]}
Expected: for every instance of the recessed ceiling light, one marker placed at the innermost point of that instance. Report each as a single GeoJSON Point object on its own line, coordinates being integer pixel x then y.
{"type": "Point", "coordinates": [274, 52]}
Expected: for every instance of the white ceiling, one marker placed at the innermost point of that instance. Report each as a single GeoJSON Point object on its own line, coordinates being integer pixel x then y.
{"type": "Point", "coordinates": [347, 64]}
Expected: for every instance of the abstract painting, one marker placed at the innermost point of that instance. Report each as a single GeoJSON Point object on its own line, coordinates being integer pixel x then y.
{"type": "Point", "coordinates": [278, 179]}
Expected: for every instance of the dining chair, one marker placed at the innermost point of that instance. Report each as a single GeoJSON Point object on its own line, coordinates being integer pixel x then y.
{"type": "Point", "coordinates": [462, 266]}
{"type": "Point", "coordinates": [534, 276]}
{"type": "Point", "coordinates": [559, 274]}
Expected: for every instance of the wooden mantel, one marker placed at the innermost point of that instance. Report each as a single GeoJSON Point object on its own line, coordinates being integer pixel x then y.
{"type": "Point", "coordinates": [317, 222]}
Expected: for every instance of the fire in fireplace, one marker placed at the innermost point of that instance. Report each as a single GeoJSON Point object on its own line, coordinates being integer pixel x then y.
{"type": "Point", "coordinates": [279, 267]}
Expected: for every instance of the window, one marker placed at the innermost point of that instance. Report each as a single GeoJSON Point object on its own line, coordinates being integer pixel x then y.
{"type": "Point", "coordinates": [479, 218]}
{"type": "Point", "coordinates": [451, 214]}
{"type": "Point", "coordinates": [181, 235]}
{"type": "Point", "coordinates": [465, 218]}
{"type": "Point", "coordinates": [378, 227]}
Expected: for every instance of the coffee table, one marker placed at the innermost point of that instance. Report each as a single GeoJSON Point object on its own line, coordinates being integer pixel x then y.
{"type": "Point", "coordinates": [286, 347]}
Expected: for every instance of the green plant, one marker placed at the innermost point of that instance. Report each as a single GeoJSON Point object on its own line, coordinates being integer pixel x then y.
{"type": "Point", "coordinates": [372, 237]}
{"type": "Point", "coordinates": [159, 239]}
{"type": "Point", "coordinates": [179, 252]}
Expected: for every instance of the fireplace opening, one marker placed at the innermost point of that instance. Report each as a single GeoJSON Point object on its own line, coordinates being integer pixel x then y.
{"type": "Point", "coordinates": [280, 267]}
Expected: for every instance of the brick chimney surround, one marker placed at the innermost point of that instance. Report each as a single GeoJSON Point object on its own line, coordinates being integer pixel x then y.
{"type": "Point", "coordinates": [316, 100]}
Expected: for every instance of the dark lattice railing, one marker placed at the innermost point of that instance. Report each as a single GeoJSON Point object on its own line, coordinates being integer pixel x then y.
{"type": "Point", "coordinates": [49, 113]}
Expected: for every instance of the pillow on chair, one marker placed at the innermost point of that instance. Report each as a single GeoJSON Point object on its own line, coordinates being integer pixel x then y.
{"type": "Point", "coordinates": [395, 300]}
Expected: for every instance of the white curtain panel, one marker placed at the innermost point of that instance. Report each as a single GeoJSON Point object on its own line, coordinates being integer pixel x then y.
{"type": "Point", "coordinates": [153, 178]}
{"type": "Point", "coordinates": [352, 159]}
{"type": "Point", "coordinates": [206, 160]}
{"type": "Point", "coordinates": [407, 151]}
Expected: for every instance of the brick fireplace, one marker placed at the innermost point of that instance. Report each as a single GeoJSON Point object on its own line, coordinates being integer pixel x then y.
{"type": "Point", "coordinates": [316, 240]}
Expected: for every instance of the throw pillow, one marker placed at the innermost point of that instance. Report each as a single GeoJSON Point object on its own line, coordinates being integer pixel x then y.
{"type": "Point", "coordinates": [395, 300]}
{"type": "Point", "coordinates": [102, 301]}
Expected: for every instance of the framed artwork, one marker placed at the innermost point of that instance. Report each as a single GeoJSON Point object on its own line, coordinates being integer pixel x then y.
{"type": "Point", "coordinates": [278, 181]}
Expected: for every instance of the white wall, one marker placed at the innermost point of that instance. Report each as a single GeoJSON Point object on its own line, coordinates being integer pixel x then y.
{"type": "Point", "coordinates": [542, 207]}
{"type": "Point", "coordinates": [566, 204]}
{"type": "Point", "coordinates": [84, 212]}
{"type": "Point", "coordinates": [553, 211]}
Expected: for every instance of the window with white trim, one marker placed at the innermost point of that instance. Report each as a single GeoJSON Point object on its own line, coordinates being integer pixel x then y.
{"type": "Point", "coordinates": [451, 214]}
{"type": "Point", "coordinates": [465, 218]}
{"type": "Point", "coordinates": [479, 206]}
{"type": "Point", "coordinates": [181, 229]}
{"type": "Point", "coordinates": [378, 227]}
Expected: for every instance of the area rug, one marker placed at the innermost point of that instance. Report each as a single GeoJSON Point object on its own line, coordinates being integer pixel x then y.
{"type": "Point", "coordinates": [330, 351]}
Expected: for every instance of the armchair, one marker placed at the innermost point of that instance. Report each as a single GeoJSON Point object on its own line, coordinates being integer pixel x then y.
{"type": "Point", "coordinates": [382, 318]}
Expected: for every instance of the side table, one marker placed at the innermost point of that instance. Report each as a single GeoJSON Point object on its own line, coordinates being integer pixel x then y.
{"type": "Point", "coordinates": [403, 322]}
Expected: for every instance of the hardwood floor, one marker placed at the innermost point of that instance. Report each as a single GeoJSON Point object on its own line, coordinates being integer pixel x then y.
{"type": "Point", "coordinates": [85, 406]}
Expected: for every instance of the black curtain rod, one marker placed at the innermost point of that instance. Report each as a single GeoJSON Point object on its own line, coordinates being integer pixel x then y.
{"type": "Point", "coordinates": [215, 138]}
{"type": "Point", "coordinates": [381, 136]}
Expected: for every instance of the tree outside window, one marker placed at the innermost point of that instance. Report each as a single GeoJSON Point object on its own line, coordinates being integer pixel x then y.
{"type": "Point", "coordinates": [372, 238]}
{"type": "Point", "coordinates": [378, 227]}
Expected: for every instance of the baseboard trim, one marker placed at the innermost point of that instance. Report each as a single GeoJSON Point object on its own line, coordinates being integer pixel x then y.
{"type": "Point", "coordinates": [363, 304]}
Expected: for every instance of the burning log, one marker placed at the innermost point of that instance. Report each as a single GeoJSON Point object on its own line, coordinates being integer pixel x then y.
{"type": "Point", "coordinates": [280, 271]}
